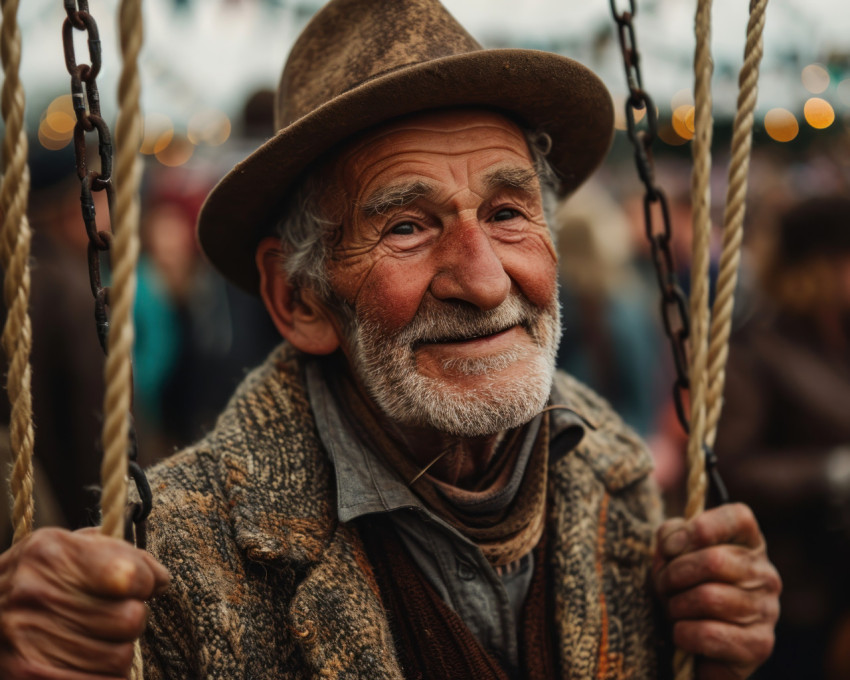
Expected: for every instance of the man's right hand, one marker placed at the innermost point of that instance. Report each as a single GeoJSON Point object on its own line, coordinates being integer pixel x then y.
{"type": "Point", "coordinates": [71, 605]}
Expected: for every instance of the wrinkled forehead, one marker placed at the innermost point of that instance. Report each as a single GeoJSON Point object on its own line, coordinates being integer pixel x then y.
{"type": "Point", "coordinates": [398, 147]}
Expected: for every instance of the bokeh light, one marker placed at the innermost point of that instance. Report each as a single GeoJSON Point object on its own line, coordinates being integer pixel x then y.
{"type": "Point", "coordinates": [620, 114]}
{"type": "Point", "coordinates": [819, 113]}
{"type": "Point", "coordinates": [48, 139]}
{"type": "Point", "coordinates": [683, 121]}
{"type": "Point", "coordinates": [681, 98]}
{"type": "Point", "coordinates": [209, 127]}
{"type": "Point", "coordinates": [668, 135]}
{"type": "Point", "coordinates": [815, 78]}
{"type": "Point", "coordinates": [781, 125]}
{"type": "Point", "coordinates": [177, 152]}
{"type": "Point", "coordinates": [158, 132]}
{"type": "Point", "coordinates": [56, 128]}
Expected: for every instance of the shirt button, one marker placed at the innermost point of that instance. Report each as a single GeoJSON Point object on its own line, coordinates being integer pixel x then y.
{"type": "Point", "coordinates": [465, 571]}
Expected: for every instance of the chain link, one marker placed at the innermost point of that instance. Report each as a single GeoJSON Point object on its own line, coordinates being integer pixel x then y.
{"type": "Point", "coordinates": [674, 305]}
{"type": "Point", "coordinates": [86, 102]}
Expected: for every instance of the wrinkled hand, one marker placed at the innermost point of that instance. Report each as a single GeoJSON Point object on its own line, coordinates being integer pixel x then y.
{"type": "Point", "coordinates": [719, 590]}
{"type": "Point", "coordinates": [71, 605]}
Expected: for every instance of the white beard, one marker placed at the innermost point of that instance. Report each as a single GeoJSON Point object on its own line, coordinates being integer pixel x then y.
{"type": "Point", "coordinates": [386, 365]}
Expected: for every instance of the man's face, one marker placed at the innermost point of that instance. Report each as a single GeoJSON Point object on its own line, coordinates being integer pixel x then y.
{"type": "Point", "coordinates": [447, 272]}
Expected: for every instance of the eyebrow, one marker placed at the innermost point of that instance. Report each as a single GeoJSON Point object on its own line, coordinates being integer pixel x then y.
{"type": "Point", "coordinates": [522, 179]}
{"type": "Point", "coordinates": [382, 200]}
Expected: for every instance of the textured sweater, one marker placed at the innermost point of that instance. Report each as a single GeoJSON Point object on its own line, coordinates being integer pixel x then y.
{"type": "Point", "coordinates": [267, 583]}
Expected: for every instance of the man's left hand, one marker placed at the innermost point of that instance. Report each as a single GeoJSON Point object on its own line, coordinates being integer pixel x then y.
{"type": "Point", "coordinates": [719, 590]}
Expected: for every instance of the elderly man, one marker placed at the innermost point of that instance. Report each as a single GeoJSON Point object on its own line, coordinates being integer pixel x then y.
{"type": "Point", "coordinates": [405, 489]}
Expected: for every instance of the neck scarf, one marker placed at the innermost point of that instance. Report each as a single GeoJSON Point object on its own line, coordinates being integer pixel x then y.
{"type": "Point", "coordinates": [504, 513]}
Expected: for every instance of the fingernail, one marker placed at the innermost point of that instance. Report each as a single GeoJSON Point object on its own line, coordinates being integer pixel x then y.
{"type": "Point", "coordinates": [675, 542]}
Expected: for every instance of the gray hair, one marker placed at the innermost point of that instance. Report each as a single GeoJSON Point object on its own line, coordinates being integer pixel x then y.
{"type": "Point", "coordinates": [307, 235]}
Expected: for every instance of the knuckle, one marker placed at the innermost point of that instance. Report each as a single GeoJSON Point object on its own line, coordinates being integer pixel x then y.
{"type": "Point", "coordinates": [710, 599]}
{"type": "Point", "coordinates": [120, 574]}
{"type": "Point", "coordinates": [742, 513]}
{"type": "Point", "coordinates": [26, 590]}
{"type": "Point", "coordinates": [131, 618]}
{"type": "Point", "coordinates": [761, 646]}
{"type": "Point", "coordinates": [773, 580]}
{"type": "Point", "coordinates": [42, 545]}
{"type": "Point", "coordinates": [714, 562]}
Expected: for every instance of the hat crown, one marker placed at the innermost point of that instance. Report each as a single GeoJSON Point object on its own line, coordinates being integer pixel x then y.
{"type": "Point", "coordinates": [349, 42]}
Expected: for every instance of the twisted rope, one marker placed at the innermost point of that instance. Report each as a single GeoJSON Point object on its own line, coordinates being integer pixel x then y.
{"type": "Point", "coordinates": [733, 218]}
{"type": "Point", "coordinates": [683, 663]}
{"type": "Point", "coordinates": [708, 361]}
{"type": "Point", "coordinates": [125, 252]}
{"type": "Point", "coordinates": [15, 237]}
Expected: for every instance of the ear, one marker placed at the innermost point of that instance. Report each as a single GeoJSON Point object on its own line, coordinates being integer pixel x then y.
{"type": "Point", "coordinates": [299, 315]}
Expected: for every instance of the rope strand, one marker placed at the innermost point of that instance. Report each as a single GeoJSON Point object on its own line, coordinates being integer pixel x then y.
{"type": "Point", "coordinates": [683, 663]}
{"type": "Point", "coordinates": [14, 256]}
{"type": "Point", "coordinates": [128, 172]}
{"type": "Point", "coordinates": [733, 219]}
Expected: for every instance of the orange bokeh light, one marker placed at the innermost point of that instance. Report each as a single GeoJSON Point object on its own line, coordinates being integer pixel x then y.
{"type": "Point", "coordinates": [781, 125]}
{"type": "Point", "coordinates": [819, 113]}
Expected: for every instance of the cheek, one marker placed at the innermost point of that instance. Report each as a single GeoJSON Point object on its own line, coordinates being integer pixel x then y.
{"type": "Point", "coordinates": [534, 268]}
{"type": "Point", "coordinates": [392, 292]}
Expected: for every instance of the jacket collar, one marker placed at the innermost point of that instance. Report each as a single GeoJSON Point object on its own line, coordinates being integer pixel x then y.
{"type": "Point", "coordinates": [280, 484]}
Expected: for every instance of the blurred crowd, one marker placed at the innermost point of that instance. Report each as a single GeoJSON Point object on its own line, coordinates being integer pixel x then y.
{"type": "Point", "coordinates": [784, 439]}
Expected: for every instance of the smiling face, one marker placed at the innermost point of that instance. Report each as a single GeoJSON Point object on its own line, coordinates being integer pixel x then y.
{"type": "Point", "coordinates": [446, 273]}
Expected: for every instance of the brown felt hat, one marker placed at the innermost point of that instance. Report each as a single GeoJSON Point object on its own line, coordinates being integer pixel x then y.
{"type": "Point", "coordinates": [360, 63]}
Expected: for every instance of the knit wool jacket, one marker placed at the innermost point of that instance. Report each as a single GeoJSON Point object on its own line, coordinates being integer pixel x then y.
{"type": "Point", "coordinates": [268, 584]}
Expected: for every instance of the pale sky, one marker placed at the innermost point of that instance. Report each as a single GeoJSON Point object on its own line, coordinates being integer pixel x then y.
{"type": "Point", "coordinates": [218, 51]}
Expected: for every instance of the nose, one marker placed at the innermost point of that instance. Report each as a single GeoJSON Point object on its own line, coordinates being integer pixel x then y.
{"type": "Point", "coordinates": [469, 269]}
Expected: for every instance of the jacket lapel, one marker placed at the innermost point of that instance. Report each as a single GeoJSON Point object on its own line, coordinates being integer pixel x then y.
{"type": "Point", "coordinates": [279, 484]}
{"type": "Point", "coordinates": [600, 545]}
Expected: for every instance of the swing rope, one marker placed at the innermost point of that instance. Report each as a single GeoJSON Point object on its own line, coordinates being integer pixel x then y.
{"type": "Point", "coordinates": [15, 240]}
{"type": "Point", "coordinates": [733, 218]}
{"type": "Point", "coordinates": [683, 663]}
{"type": "Point", "coordinates": [708, 359]}
{"type": "Point", "coordinates": [125, 253]}
{"type": "Point", "coordinates": [701, 206]}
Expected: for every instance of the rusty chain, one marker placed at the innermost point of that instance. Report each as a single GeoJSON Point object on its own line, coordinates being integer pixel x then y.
{"type": "Point", "coordinates": [86, 102]}
{"type": "Point", "coordinates": [674, 305]}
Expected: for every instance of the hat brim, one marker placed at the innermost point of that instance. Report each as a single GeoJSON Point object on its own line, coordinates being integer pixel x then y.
{"type": "Point", "coordinates": [545, 91]}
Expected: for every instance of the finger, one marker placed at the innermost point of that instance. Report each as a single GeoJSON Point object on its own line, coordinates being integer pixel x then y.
{"type": "Point", "coordinates": [123, 571]}
{"type": "Point", "coordinates": [46, 641]}
{"type": "Point", "coordinates": [100, 565]}
{"type": "Point", "coordinates": [732, 523]}
{"type": "Point", "coordinates": [83, 562]}
{"type": "Point", "coordinates": [103, 619]}
{"type": "Point", "coordinates": [726, 603]}
{"type": "Point", "coordinates": [743, 647]}
{"type": "Point", "coordinates": [747, 568]}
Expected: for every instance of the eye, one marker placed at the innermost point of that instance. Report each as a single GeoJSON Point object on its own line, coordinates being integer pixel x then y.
{"type": "Point", "coordinates": [505, 214]}
{"type": "Point", "coordinates": [404, 229]}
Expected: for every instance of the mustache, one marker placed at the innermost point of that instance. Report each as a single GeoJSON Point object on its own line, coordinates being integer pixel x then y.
{"type": "Point", "coordinates": [440, 322]}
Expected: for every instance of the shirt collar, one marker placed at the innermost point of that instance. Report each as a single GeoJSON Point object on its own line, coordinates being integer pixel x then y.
{"type": "Point", "coordinates": [364, 484]}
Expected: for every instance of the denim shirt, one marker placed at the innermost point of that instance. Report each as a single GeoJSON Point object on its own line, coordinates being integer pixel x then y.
{"type": "Point", "coordinates": [489, 601]}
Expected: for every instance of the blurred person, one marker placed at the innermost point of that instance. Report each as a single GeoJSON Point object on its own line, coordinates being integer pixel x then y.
{"type": "Point", "coordinates": [66, 359]}
{"type": "Point", "coordinates": [784, 437]}
{"type": "Point", "coordinates": [188, 319]}
{"type": "Point", "coordinates": [609, 313]}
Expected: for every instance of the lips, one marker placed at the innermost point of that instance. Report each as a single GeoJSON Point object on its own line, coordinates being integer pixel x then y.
{"type": "Point", "coordinates": [465, 338]}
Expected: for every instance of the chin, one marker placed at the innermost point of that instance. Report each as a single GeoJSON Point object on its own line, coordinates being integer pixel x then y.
{"type": "Point", "coordinates": [452, 388]}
